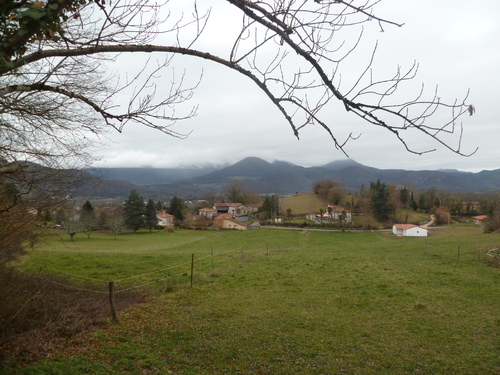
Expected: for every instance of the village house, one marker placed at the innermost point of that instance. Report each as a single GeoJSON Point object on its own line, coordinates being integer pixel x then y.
{"type": "Point", "coordinates": [409, 230]}
{"type": "Point", "coordinates": [164, 219]}
{"type": "Point", "coordinates": [311, 216]}
{"type": "Point", "coordinates": [226, 221]}
{"type": "Point", "coordinates": [209, 213]}
{"type": "Point", "coordinates": [333, 212]}
{"type": "Point", "coordinates": [234, 209]}
{"type": "Point", "coordinates": [481, 219]}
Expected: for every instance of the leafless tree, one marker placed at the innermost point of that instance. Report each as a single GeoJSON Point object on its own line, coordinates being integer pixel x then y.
{"type": "Point", "coordinates": [59, 92]}
{"type": "Point", "coordinates": [55, 88]}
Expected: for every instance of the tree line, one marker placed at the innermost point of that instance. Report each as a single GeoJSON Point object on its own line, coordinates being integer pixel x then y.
{"type": "Point", "coordinates": [384, 201]}
{"type": "Point", "coordinates": [134, 214]}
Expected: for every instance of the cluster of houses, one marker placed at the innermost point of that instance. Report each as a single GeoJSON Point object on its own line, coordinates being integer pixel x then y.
{"type": "Point", "coordinates": [332, 213]}
{"type": "Point", "coordinates": [224, 216]}
{"type": "Point", "coordinates": [235, 216]}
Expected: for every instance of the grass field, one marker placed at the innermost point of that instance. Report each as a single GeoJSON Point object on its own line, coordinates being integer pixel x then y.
{"type": "Point", "coordinates": [302, 204]}
{"type": "Point", "coordinates": [299, 302]}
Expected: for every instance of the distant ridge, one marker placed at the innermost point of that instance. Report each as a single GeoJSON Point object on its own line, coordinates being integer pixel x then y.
{"type": "Point", "coordinates": [150, 176]}
{"type": "Point", "coordinates": [284, 178]}
{"type": "Point", "coordinates": [337, 165]}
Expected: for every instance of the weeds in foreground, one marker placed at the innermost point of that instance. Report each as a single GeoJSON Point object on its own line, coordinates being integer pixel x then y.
{"type": "Point", "coordinates": [38, 315]}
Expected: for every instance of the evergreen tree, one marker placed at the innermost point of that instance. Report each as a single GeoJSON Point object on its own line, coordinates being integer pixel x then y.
{"type": "Point", "coordinates": [270, 206]}
{"type": "Point", "coordinates": [266, 207]}
{"type": "Point", "coordinates": [405, 197]}
{"type": "Point", "coordinates": [159, 206]}
{"type": "Point", "coordinates": [379, 200]}
{"type": "Point", "coordinates": [177, 208]}
{"type": "Point", "coordinates": [151, 220]}
{"type": "Point", "coordinates": [134, 211]}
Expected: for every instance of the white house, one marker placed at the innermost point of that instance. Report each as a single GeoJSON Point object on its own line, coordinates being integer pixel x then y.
{"type": "Point", "coordinates": [164, 219]}
{"type": "Point", "coordinates": [409, 230]}
{"type": "Point", "coordinates": [311, 216]}
{"type": "Point", "coordinates": [334, 213]}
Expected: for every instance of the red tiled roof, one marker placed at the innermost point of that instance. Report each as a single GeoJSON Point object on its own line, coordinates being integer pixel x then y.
{"type": "Point", "coordinates": [224, 217]}
{"type": "Point", "coordinates": [164, 215]}
{"type": "Point", "coordinates": [405, 226]}
{"type": "Point", "coordinates": [480, 217]}
{"type": "Point", "coordinates": [237, 222]}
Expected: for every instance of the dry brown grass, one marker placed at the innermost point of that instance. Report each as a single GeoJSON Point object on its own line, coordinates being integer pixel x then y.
{"type": "Point", "coordinates": [48, 316]}
{"type": "Point", "coordinates": [302, 204]}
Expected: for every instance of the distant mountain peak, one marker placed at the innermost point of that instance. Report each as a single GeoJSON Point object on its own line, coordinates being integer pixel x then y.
{"type": "Point", "coordinates": [251, 160]}
{"type": "Point", "coordinates": [337, 165]}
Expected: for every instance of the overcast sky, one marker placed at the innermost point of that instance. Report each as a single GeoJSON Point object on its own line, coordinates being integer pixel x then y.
{"type": "Point", "coordinates": [457, 46]}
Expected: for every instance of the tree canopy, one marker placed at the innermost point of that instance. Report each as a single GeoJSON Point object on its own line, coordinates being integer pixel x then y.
{"type": "Point", "coordinates": [55, 87]}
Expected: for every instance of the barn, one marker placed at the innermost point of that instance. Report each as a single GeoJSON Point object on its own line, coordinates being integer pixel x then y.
{"type": "Point", "coordinates": [409, 230]}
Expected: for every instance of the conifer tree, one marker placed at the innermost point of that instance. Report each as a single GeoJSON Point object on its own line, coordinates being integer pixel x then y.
{"type": "Point", "coordinates": [134, 211]}
{"type": "Point", "coordinates": [151, 220]}
{"type": "Point", "coordinates": [379, 200]}
{"type": "Point", "coordinates": [176, 208]}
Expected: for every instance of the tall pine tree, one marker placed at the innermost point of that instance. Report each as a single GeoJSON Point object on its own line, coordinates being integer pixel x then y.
{"type": "Point", "coordinates": [151, 220]}
{"type": "Point", "coordinates": [379, 200]}
{"type": "Point", "coordinates": [133, 211]}
{"type": "Point", "coordinates": [177, 208]}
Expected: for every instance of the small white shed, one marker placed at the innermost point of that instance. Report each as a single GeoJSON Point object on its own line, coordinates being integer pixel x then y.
{"type": "Point", "coordinates": [409, 230]}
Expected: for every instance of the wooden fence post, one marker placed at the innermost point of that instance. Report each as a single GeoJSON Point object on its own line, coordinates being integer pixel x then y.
{"type": "Point", "coordinates": [192, 269]}
{"type": "Point", "coordinates": [112, 299]}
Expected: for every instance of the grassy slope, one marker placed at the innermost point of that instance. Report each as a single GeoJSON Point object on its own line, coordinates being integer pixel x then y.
{"type": "Point", "coordinates": [355, 303]}
{"type": "Point", "coordinates": [302, 204]}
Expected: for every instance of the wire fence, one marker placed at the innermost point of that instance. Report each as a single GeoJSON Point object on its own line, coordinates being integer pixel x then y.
{"type": "Point", "coordinates": [198, 265]}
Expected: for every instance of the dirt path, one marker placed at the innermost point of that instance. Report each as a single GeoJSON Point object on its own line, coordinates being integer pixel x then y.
{"type": "Point", "coordinates": [429, 223]}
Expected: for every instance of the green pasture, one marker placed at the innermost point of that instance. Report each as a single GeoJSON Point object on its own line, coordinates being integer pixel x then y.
{"type": "Point", "coordinates": [101, 257]}
{"type": "Point", "coordinates": [291, 302]}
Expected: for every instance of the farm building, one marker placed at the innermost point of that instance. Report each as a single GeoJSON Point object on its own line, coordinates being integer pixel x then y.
{"type": "Point", "coordinates": [409, 230]}
{"type": "Point", "coordinates": [231, 208]}
{"type": "Point", "coordinates": [226, 221]}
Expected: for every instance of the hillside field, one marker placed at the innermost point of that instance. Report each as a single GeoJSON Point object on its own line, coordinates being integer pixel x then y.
{"type": "Point", "coordinates": [284, 302]}
{"type": "Point", "coordinates": [302, 204]}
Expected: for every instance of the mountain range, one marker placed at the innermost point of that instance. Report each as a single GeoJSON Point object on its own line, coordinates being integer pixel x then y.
{"type": "Point", "coordinates": [278, 177]}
